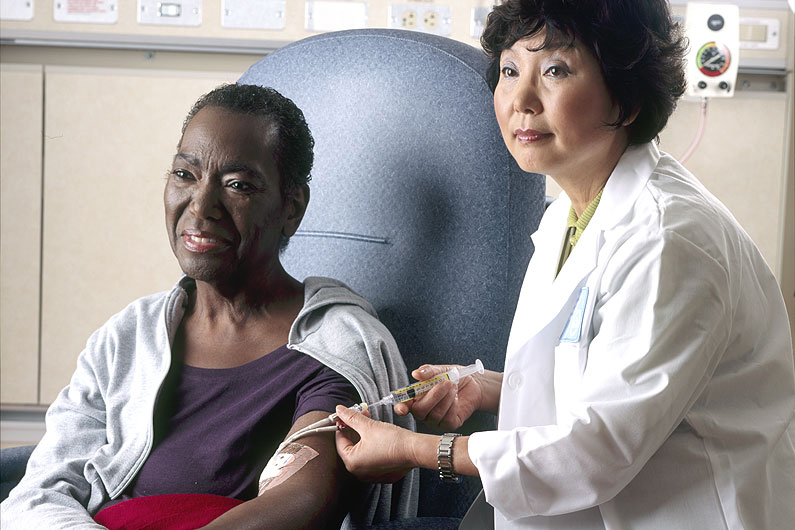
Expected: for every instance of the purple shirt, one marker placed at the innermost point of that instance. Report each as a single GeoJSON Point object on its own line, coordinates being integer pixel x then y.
{"type": "Point", "coordinates": [215, 429]}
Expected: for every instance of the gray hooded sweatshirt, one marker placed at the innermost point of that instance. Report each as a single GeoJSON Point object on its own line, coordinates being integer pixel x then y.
{"type": "Point", "coordinates": [100, 427]}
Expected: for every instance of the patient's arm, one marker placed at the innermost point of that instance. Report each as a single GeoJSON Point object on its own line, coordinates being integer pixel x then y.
{"type": "Point", "coordinates": [313, 498]}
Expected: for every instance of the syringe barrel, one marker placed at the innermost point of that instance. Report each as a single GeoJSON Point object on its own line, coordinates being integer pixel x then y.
{"type": "Point", "coordinates": [421, 387]}
{"type": "Point", "coordinates": [418, 388]}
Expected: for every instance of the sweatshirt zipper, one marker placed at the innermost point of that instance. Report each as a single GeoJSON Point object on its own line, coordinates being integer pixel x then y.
{"type": "Point", "coordinates": [150, 429]}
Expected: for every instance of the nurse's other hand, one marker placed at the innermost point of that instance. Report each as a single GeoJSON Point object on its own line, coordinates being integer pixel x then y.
{"type": "Point", "coordinates": [382, 452]}
{"type": "Point", "coordinates": [447, 405]}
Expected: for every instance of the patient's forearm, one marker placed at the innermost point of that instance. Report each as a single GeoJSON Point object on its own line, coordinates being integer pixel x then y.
{"type": "Point", "coordinates": [313, 496]}
{"type": "Point", "coordinates": [289, 508]}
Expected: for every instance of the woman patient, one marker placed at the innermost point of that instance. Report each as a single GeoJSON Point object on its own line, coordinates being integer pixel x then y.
{"type": "Point", "coordinates": [190, 391]}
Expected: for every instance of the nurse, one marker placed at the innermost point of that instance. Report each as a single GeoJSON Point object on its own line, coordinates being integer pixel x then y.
{"type": "Point", "coordinates": [649, 378]}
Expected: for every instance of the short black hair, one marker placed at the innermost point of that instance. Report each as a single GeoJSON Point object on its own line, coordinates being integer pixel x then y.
{"type": "Point", "coordinates": [640, 50]}
{"type": "Point", "coordinates": [294, 150]}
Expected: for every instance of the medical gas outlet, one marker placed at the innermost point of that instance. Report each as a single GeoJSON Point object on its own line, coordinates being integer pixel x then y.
{"type": "Point", "coordinates": [713, 31]}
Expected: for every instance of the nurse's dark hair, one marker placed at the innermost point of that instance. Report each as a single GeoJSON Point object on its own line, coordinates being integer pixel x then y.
{"type": "Point", "coordinates": [640, 50]}
{"type": "Point", "coordinates": [294, 145]}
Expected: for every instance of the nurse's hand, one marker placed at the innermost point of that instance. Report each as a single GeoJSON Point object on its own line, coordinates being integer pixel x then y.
{"type": "Point", "coordinates": [383, 452]}
{"type": "Point", "coordinates": [447, 405]}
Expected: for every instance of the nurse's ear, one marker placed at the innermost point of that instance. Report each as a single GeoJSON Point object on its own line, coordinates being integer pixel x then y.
{"type": "Point", "coordinates": [631, 119]}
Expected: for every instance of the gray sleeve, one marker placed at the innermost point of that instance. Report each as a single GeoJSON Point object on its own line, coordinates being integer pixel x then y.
{"type": "Point", "coordinates": [59, 482]}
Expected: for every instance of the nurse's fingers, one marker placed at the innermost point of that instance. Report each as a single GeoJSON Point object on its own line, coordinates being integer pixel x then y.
{"type": "Point", "coordinates": [441, 416]}
{"type": "Point", "coordinates": [434, 405]}
{"type": "Point", "coordinates": [426, 371]}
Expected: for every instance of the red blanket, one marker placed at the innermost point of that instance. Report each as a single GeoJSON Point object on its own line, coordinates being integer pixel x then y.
{"type": "Point", "coordinates": [165, 512]}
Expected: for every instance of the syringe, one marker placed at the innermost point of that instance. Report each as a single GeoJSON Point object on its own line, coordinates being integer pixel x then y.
{"type": "Point", "coordinates": [421, 387]}
{"type": "Point", "coordinates": [396, 396]}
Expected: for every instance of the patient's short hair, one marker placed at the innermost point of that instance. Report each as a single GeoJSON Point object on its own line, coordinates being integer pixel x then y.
{"type": "Point", "coordinates": [639, 49]}
{"type": "Point", "coordinates": [294, 145]}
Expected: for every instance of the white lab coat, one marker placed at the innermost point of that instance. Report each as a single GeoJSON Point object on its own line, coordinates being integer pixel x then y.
{"type": "Point", "coordinates": [650, 385]}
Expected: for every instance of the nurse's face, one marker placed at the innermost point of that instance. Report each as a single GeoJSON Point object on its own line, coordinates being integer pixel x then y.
{"type": "Point", "coordinates": [552, 106]}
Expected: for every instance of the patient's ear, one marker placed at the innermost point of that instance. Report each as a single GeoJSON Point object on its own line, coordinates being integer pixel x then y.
{"type": "Point", "coordinates": [295, 205]}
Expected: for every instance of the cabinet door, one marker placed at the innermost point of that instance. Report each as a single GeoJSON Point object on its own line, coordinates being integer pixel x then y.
{"type": "Point", "coordinates": [110, 136]}
{"type": "Point", "coordinates": [20, 231]}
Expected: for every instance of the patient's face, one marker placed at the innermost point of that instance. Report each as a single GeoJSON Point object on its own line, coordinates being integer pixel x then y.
{"type": "Point", "coordinates": [224, 209]}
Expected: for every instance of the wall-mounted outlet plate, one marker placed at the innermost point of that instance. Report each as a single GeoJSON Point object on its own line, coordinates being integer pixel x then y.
{"type": "Point", "coordinates": [86, 11]}
{"type": "Point", "coordinates": [170, 13]}
{"type": "Point", "coordinates": [759, 33]}
{"type": "Point", "coordinates": [325, 15]}
{"type": "Point", "coordinates": [432, 18]}
{"type": "Point", "coordinates": [245, 14]}
{"type": "Point", "coordinates": [16, 10]}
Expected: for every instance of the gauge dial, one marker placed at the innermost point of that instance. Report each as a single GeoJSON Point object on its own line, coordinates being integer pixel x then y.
{"type": "Point", "coordinates": [713, 59]}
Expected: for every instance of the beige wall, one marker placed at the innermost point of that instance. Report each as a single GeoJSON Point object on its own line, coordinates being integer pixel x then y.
{"type": "Point", "coordinates": [20, 230]}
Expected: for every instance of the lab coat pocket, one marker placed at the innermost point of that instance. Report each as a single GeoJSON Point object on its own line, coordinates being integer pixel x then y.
{"type": "Point", "coordinates": [571, 352]}
{"type": "Point", "coordinates": [570, 360]}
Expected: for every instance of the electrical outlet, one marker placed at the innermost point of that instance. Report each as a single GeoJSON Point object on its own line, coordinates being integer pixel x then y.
{"type": "Point", "coordinates": [430, 20]}
{"type": "Point", "coordinates": [409, 19]}
{"type": "Point", "coordinates": [426, 18]}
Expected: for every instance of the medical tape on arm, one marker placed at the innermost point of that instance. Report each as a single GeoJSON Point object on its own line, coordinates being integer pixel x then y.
{"type": "Point", "coordinates": [284, 464]}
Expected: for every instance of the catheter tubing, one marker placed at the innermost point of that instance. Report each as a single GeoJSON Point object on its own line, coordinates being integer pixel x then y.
{"type": "Point", "coordinates": [701, 126]}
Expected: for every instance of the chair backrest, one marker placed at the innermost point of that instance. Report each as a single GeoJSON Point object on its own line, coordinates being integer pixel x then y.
{"type": "Point", "coordinates": [415, 202]}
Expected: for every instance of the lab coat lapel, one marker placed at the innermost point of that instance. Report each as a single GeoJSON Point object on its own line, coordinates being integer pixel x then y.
{"type": "Point", "coordinates": [549, 295]}
{"type": "Point", "coordinates": [546, 298]}
{"type": "Point", "coordinates": [567, 285]}
{"type": "Point", "coordinates": [621, 191]}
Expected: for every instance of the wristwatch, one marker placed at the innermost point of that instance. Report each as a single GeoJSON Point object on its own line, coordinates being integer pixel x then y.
{"type": "Point", "coordinates": [445, 458]}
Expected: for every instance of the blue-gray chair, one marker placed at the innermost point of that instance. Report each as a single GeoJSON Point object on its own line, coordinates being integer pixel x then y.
{"type": "Point", "coordinates": [12, 467]}
{"type": "Point", "coordinates": [416, 203]}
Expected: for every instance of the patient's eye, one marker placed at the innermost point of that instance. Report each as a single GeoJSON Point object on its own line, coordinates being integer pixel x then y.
{"type": "Point", "coordinates": [182, 174]}
{"type": "Point", "coordinates": [239, 185]}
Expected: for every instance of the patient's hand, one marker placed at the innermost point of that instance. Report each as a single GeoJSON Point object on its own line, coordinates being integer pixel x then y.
{"type": "Point", "coordinates": [447, 405]}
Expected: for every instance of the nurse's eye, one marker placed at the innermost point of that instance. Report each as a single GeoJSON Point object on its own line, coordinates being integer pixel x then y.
{"type": "Point", "coordinates": [556, 71]}
{"type": "Point", "coordinates": [508, 71]}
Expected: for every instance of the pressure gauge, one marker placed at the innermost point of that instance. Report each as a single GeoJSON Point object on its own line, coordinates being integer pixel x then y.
{"type": "Point", "coordinates": [713, 59]}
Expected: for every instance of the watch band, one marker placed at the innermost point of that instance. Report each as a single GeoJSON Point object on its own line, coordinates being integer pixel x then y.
{"type": "Point", "coordinates": [444, 458]}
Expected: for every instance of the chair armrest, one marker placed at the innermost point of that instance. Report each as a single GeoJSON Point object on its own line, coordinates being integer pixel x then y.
{"type": "Point", "coordinates": [13, 461]}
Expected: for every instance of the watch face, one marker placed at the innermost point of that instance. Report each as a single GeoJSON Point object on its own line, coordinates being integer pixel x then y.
{"type": "Point", "coordinates": [713, 59]}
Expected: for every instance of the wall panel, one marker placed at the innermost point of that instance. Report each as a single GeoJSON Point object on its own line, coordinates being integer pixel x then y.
{"type": "Point", "coordinates": [20, 228]}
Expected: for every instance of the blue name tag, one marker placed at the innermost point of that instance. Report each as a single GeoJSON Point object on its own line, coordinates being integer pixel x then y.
{"type": "Point", "coordinates": [571, 333]}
